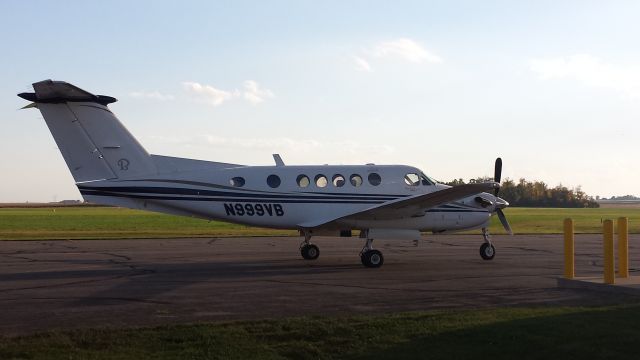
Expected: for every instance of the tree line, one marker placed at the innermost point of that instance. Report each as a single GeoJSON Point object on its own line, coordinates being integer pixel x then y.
{"type": "Point", "coordinates": [538, 194]}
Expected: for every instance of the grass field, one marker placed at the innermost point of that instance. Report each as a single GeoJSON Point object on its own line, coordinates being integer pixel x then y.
{"type": "Point", "coordinates": [511, 333]}
{"type": "Point", "coordinates": [113, 223]}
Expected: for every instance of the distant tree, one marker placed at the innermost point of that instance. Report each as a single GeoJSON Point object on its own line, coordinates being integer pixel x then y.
{"type": "Point", "coordinates": [537, 194]}
{"type": "Point", "coordinates": [625, 197]}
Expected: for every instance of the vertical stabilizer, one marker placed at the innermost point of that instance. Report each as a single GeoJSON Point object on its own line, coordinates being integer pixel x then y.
{"type": "Point", "coordinates": [93, 142]}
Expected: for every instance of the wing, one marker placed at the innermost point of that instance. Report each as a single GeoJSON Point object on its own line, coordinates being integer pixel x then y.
{"type": "Point", "coordinates": [405, 207]}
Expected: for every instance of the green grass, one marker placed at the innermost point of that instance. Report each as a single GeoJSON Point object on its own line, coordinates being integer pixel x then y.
{"type": "Point", "coordinates": [549, 220]}
{"type": "Point", "coordinates": [511, 333]}
{"type": "Point", "coordinates": [114, 223]}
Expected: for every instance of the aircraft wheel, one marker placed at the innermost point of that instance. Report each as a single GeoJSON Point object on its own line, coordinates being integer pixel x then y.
{"type": "Point", "coordinates": [487, 251]}
{"type": "Point", "coordinates": [310, 252]}
{"type": "Point", "coordinates": [372, 259]}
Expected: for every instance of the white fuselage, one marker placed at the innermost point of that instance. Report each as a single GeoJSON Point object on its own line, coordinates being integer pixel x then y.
{"type": "Point", "coordinates": [289, 196]}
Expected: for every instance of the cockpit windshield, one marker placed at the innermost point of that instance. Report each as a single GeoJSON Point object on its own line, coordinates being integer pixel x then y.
{"type": "Point", "coordinates": [426, 180]}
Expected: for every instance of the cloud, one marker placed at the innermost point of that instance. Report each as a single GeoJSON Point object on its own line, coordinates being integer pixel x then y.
{"type": "Point", "coordinates": [405, 49]}
{"type": "Point", "coordinates": [252, 93]}
{"type": "Point", "coordinates": [207, 93]}
{"type": "Point", "coordinates": [153, 95]}
{"type": "Point", "coordinates": [362, 64]}
{"type": "Point", "coordinates": [590, 71]}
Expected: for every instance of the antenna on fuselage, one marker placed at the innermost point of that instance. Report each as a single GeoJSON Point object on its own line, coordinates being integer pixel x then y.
{"type": "Point", "coordinates": [278, 160]}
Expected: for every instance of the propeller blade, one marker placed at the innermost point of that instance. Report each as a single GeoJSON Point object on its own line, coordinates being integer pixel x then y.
{"type": "Point", "coordinates": [503, 220]}
{"type": "Point", "coordinates": [497, 174]}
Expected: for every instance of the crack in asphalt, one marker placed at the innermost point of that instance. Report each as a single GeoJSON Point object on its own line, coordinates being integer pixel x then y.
{"type": "Point", "coordinates": [529, 249]}
{"type": "Point", "coordinates": [98, 298]}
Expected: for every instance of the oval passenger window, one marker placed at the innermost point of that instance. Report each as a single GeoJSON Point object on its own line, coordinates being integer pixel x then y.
{"type": "Point", "coordinates": [237, 181]}
{"type": "Point", "coordinates": [273, 181]}
{"type": "Point", "coordinates": [356, 180]}
{"type": "Point", "coordinates": [338, 180]}
{"type": "Point", "coordinates": [321, 181]}
{"type": "Point", "coordinates": [374, 179]}
{"type": "Point", "coordinates": [303, 180]}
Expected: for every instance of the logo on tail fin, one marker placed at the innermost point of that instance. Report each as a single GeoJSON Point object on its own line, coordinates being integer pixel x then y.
{"type": "Point", "coordinates": [123, 164]}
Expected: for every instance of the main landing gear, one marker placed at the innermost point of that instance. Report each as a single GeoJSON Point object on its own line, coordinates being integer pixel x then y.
{"type": "Point", "coordinates": [487, 250]}
{"type": "Point", "coordinates": [308, 250]}
{"type": "Point", "coordinates": [368, 256]}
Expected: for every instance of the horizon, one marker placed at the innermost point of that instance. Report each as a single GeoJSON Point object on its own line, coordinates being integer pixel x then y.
{"type": "Point", "coordinates": [552, 88]}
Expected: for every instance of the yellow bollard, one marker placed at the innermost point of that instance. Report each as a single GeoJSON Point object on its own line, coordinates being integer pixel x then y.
{"type": "Point", "coordinates": [609, 267]}
{"type": "Point", "coordinates": [569, 250]}
{"type": "Point", "coordinates": [623, 247]}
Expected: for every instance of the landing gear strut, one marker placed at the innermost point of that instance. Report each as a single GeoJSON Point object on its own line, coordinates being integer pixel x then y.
{"type": "Point", "coordinates": [308, 250]}
{"type": "Point", "coordinates": [370, 257]}
{"type": "Point", "coordinates": [487, 250]}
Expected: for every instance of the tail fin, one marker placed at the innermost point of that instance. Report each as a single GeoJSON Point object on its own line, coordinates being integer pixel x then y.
{"type": "Point", "coordinates": [93, 142]}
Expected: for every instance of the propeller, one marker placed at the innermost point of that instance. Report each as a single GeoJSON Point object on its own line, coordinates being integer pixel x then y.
{"type": "Point", "coordinates": [497, 174]}
{"type": "Point", "coordinates": [503, 220]}
{"type": "Point", "coordinates": [500, 203]}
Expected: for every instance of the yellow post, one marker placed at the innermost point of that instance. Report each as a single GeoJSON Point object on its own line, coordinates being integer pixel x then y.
{"type": "Point", "coordinates": [609, 269]}
{"type": "Point", "coordinates": [569, 250]}
{"type": "Point", "coordinates": [623, 247]}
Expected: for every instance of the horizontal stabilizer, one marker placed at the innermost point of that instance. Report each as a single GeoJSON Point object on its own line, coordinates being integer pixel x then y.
{"type": "Point", "coordinates": [49, 91]}
{"type": "Point", "coordinates": [32, 105]}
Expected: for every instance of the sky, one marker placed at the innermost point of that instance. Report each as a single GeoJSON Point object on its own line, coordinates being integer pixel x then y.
{"type": "Point", "coordinates": [552, 87]}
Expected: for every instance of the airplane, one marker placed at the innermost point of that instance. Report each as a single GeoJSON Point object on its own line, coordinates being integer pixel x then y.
{"type": "Point", "coordinates": [110, 167]}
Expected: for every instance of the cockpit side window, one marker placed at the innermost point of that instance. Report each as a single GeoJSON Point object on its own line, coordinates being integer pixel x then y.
{"type": "Point", "coordinates": [412, 179]}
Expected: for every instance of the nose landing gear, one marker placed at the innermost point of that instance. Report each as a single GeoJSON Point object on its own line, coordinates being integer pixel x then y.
{"type": "Point", "coordinates": [487, 250]}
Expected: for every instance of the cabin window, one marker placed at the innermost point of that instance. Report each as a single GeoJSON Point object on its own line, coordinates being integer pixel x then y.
{"type": "Point", "coordinates": [237, 181]}
{"type": "Point", "coordinates": [356, 180]}
{"type": "Point", "coordinates": [321, 181]}
{"type": "Point", "coordinates": [303, 180]}
{"type": "Point", "coordinates": [273, 181]}
{"type": "Point", "coordinates": [338, 180]}
{"type": "Point", "coordinates": [412, 179]}
{"type": "Point", "coordinates": [374, 179]}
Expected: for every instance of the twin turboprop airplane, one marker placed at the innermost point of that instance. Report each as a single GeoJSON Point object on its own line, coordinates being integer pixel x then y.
{"type": "Point", "coordinates": [110, 167]}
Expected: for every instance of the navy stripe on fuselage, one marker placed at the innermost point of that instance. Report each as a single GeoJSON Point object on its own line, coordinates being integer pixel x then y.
{"type": "Point", "coordinates": [199, 192]}
{"type": "Point", "coordinates": [230, 199]}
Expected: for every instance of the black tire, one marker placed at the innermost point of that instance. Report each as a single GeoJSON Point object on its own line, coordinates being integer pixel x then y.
{"type": "Point", "coordinates": [310, 252]}
{"type": "Point", "coordinates": [487, 251]}
{"type": "Point", "coordinates": [372, 259]}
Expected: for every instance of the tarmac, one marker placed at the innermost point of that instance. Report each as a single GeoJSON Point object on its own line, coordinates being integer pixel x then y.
{"type": "Point", "coordinates": [53, 285]}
